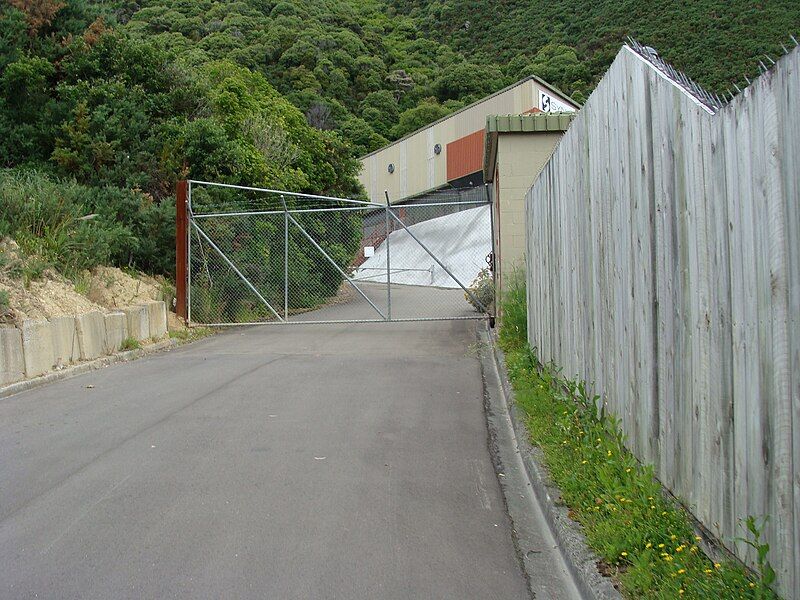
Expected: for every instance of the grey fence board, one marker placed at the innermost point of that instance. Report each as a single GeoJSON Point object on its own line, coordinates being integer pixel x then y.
{"type": "Point", "coordinates": [664, 269]}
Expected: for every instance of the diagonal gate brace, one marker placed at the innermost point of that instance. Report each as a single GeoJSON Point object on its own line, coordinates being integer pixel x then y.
{"type": "Point", "coordinates": [440, 263]}
{"type": "Point", "coordinates": [237, 271]}
{"type": "Point", "coordinates": [330, 260]}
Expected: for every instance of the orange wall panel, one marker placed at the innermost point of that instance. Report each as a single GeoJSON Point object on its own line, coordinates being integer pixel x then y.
{"type": "Point", "coordinates": [465, 155]}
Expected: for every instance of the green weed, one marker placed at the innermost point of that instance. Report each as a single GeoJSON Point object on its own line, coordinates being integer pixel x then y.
{"type": "Point", "coordinates": [5, 300]}
{"type": "Point", "coordinates": [190, 334]}
{"type": "Point", "coordinates": [32, 269]}
{"type": "Point", "coordinates": [514, 329]}
{"type": "Point", "coordinates": [130, 343]}
{"type": "Point", "coordinates": [83, 283]}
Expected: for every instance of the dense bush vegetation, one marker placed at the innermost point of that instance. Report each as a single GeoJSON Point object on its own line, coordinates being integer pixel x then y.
{"type": "Point", "coordinates": [101, 97]}
{"type": "Point", "coordinates": [71, 227]}
{"type": "Point", "coordinates": [571, 43]}
{"type": "Point", "coordinates": [110, 121]}
{"type": "Point", "coordinates": [348, 65]}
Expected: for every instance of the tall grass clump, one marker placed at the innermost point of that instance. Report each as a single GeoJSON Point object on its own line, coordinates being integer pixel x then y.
{"type": "Point", "coordinates": [514, 312]}
{"type": "Point", "coordinates": [71, 227]}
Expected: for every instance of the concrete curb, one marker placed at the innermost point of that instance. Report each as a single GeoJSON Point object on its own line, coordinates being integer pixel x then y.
{"type": "Point", "coordinates": [580, 560]}
{"type": "Point", "coordinates": [72, 371]}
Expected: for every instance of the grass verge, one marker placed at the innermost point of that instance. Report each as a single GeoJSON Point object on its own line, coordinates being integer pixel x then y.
{"type": "Point", "coordinates": [644, 539]}
{"type": "Point", "coordinates": [186, 335]}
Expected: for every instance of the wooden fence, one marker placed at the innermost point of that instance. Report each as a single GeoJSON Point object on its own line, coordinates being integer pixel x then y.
{"type": "Point", "coordinates": [663, 267]}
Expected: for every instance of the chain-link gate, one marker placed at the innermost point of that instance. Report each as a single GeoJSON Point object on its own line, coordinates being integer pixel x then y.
{"type": "Point", "coordinates": [259, 256]}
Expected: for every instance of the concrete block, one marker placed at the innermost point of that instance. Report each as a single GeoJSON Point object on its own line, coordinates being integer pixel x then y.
{"type": "Point", "coordinates": [91, 329]}
{"type": "Point", "coordinates": [12, 360]}
{"type": "Point", "coordinates": [116, 331]}
{"type": "Point", "coordinates": [157, 315]}
{"type": "Point", "coordinates": [37, 347]}
{"type": "Point", "coordinates": [138, 321]}
{"type": "Point", "coordinates": [66, 349]}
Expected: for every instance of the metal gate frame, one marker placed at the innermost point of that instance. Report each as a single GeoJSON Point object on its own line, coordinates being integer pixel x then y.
{"type": "Point", "coordinates": [187, 221]}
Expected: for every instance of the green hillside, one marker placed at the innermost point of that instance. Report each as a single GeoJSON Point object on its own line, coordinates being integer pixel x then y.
{"type": "Point", "coordinates": [113, 101]}
{"type": "Point", "coordinates": [572, 42]}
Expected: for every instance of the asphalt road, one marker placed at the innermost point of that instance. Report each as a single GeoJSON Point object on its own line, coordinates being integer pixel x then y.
{"type": "Point", "coordinates": [314, 461]}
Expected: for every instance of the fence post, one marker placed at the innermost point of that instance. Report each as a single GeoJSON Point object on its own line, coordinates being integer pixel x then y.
{"type": "Point", "coordinates": [285, 259]}
{"type": "Point", "coordinates": [388, 263]}
{"type": "Point", "coordinates": [181, 248]}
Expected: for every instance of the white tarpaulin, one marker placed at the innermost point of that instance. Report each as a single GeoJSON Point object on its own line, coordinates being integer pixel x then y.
{"type": "Point", "coordinates": [461, 241]}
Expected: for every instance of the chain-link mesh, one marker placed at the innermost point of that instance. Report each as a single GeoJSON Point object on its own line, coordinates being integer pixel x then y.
{"type": "Point", "coordinates": [259, 256]}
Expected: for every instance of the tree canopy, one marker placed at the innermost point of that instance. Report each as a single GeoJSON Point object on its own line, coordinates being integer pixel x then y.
{"type": "Point", "coordinates": [134, 95]}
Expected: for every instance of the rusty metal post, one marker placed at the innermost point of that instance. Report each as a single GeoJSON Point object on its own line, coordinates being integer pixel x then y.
{"type": "Point", "coordinates": [181, 248]}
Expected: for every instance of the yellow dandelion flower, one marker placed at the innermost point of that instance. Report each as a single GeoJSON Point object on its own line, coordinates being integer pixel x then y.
{"type": "Point", "coordinates": [661, 545]}
{"type": "Point", "coordinates": [752, 585]}
{"type": "Point", "coordinates": [717, 565]}
{"type": "Point", "coordinates": [681, 571]}
{"type": "Point", "coordinates": [680, 592]}
{"type": "Point", "coordinates": [583, 462]}
{"type": "Point", "coordinates": [708, 571]}
{"type": "Point", "coordinates": [609, 452]}
{"type": "Point", "coordinates": [649, 545]}
{"type": "Point", "coordinates": [624, 554]}
{"type": "Point", "coordinates": [628, 470]}
{"type": "Point", "coordinates": [673, 537]}
{"type": "Point", "coordinates": [698, 538]}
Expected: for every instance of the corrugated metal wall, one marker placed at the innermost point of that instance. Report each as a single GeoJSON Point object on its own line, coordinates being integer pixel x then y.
{"type": "Point", "coordinates": [465, 155]}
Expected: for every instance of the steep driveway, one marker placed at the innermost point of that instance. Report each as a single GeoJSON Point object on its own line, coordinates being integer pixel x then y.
{"type": "Point", "coordinates": [313, 461]}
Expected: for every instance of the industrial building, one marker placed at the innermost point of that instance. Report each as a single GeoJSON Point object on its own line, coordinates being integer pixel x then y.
{"type": "Point", "coordinates": [449, 152]}
{"type": "Point", "coordinates": [490, 151]}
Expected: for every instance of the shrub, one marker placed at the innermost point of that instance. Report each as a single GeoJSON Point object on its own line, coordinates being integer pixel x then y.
{"type": "Point", "coordinates": [481, 294]}
{"type": "Point", "coordinates": [71, 227]}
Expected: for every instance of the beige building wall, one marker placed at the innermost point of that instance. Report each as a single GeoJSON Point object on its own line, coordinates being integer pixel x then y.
{"type": "Point", "coordinates": [520, 159]}
{"type": "Point", "coordinates": [417, 169]}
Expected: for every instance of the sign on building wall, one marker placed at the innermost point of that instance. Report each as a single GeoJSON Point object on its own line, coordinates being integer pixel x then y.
{"type": "Point", "coordinates": [548, 103]}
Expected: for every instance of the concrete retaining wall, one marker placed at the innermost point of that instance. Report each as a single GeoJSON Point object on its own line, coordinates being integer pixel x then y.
{"type": "Point", "coordinates": [91, 328]}
{"type": "Point", "coordinates": [12, 362]}
{"type": "Point", "coordinates": [39, 346]}
{"type": "Point", "coordinates": [157, 316]}
{"type": "Point", "coordinates": [66, 349]}
{"type": "Point", "coordinates": [138, 322]}
{"type": "Point", "coordinates": [116, 331]}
